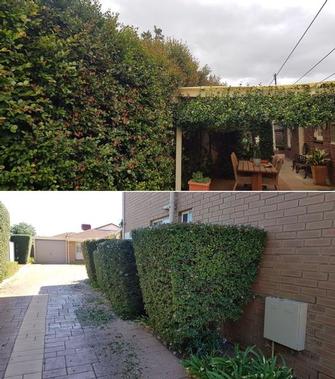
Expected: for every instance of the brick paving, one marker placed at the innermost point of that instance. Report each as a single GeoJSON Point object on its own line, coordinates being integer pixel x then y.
{"type": "Point", "coordinates": [82, 338]}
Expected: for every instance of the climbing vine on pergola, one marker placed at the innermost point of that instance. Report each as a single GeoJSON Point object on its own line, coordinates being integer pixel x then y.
{"type": "Point", "coordinates": [242, 110]}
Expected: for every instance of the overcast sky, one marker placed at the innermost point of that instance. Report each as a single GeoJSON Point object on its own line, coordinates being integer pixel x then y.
{"type": "Point", "coordinates": [58, 212]}
{"type": "Point", "coordinates": [243, 41]}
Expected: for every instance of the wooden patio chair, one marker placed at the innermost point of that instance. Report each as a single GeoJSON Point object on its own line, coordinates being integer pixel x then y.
{"type": "Point", "coordinates": [240, 180]}
{"type": "Point", "coordinates": [273, 180]}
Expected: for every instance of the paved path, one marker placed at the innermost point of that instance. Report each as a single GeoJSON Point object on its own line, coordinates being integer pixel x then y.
{"type": "Point", "coordinates": [53, 325]}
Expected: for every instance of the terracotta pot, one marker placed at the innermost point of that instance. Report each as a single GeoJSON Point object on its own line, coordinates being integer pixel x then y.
{"type": "Point", "coordinates": [195, 186]}
{"type": "Point", "coordinates": [320, 174]}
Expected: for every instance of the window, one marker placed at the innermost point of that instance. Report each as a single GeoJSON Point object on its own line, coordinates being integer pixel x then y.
{"type": "Point", "coordinates": [127, 236]}
{"type": "Point", "coordinates": [186, 217]}
{"type": "Point", "coordinates": [160, 221]}
{"type": "Point", "coordinates": [318, 134]}
{"type": "Point", "coordinates": [332, 133]}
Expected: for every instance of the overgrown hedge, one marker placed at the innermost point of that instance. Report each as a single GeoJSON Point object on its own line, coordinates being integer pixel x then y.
{"type": "Point", "coordinates": [194, 277]}
{"type": "Point", "coordinates": [83, 103]}
{"type": "Point", "coordinates": [117, 276]}
{"type": "Point", "coordinates": [4, 240]}
{"type": "Point", "coordinates": [88, 249]}
{"type": "Point", "coordinates": [22, 247]}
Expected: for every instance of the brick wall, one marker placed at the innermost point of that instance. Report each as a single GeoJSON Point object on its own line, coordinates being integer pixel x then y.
{"type": "Point", "coordinates": [298, 264]}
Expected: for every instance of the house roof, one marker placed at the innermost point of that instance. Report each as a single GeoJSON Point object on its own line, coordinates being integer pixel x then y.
{"type": "Point", "coordinates": [104, 231]}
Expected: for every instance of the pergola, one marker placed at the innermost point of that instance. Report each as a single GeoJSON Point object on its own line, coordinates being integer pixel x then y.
{"type": "Point", "coordinates": [217, 91]}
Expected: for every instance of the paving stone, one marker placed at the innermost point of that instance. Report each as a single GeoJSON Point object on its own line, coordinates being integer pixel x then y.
{"type": "Point", "coordinates": [54, 373]}
{"type": "Point", "coordinates": [54, 363]}
{"type": "Point", "coordinates": [71, 350]}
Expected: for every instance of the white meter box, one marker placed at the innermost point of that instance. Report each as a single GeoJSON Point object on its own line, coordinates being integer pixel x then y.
{"type": "Point", "coordinates": [285, 322]}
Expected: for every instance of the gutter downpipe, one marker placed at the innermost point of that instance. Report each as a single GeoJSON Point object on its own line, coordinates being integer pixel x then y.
{"type": "Point", "coordinates": [123, 214]}
{"type": "Point", "coordinates": [172, 206]}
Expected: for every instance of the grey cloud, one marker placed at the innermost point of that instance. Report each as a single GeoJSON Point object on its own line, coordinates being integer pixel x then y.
{"type": "Point", "coordinates": [239, 41]}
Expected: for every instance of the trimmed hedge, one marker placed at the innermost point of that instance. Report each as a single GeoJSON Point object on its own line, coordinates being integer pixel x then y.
{"type": "Point", "coordinates": [4, 240]}
{"type": "Point", "coordinates": [22, 247]}
{"type": "Point", "coordinates": [194, 277]}
{"type": "Point", "coordinates": [88, 248]}
{"type": "Point", "coordinates": [117, 276]}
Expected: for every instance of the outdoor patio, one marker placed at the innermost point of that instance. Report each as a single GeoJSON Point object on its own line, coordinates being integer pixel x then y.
{"type": "Point", "coordinates": [289, 180]}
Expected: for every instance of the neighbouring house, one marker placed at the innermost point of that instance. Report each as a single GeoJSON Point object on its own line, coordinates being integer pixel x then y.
{"type": "Point", "coordinates": [298, 264]}
{"type": "Point", "coordinates": [66, 247]}
{"type": "Point", "coordinates": [296, 141]}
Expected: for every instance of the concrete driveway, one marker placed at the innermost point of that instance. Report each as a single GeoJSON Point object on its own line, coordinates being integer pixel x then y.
{"type": "Point", "coordinates": [54, 325]}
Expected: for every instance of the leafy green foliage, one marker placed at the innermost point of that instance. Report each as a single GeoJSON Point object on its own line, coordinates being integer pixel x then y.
{"type": "Point", "coordinates": [255, 108]}
{"type": "Point", "coordinates": [178, 60]}
{"type": "Point", "coordinates": [249, 364]}
{"type": "Point", "coordinates": [22, 247]}
{"type": "Point", "coordinates": [23, 228]}
{"type": "Point", "coordinates": [318, 157]}
{"type": "Point", "coordinates": [83, 104]}
{"type": "Point", "coordinates": [117, 276]}
{"type": "Point", "coordinates": [193, 277]}
{"type": "Point", "coordinates": [88, 249]}
{"type": "Point", "coordinates": [199, 177]}
{"type": "Point", "coordinates": [4, 240]}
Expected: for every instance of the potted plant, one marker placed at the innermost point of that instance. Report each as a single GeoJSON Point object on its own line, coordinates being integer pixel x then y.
{"type": "Point", "coordinates": [318, 162]}
{"type": "Point", "coordinates": [199, 182]}
{"type": "Point", "coordinates": [257, 152]}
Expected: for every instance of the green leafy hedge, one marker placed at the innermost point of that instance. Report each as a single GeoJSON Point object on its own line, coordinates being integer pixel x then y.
{"type": "Point", "coordinates": [4, 240]}
{"type": "Point", "coordinates": [117, 276]}
{"type": "Point", "coordinates": [88, 249]}
{"type": "Point", "coordinates": [22, 247]}
{"type": "Point", "coordinates": [194, 277]}
{"type": "Point", "coordinates": [83, 104]}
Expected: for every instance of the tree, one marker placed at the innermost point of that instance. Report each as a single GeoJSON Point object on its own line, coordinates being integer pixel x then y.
{"type": "Point", "coordinates": [23, 228]}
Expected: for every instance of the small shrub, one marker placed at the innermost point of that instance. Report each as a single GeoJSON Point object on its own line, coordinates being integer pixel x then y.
{"type": "Point", "coordinates": [22, 247]}
{"type": "Point", "coordinates": [250, 364]}
{"type": "Point", "coordinates": [194, 277]}
{"type": "Point", "coordinates": [117, 276]}
{"type": "Point", "coordinates": [88, 248]}
{"type": "Point", "coordinates": [4, 240]}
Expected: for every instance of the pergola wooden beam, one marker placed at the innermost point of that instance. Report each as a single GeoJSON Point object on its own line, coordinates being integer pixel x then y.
{"type": "Point", "coordinates": [207, 91]}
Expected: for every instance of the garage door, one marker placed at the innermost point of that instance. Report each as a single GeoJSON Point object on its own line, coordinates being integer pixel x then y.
{"type": "Point", "coordinates": [50, 251]}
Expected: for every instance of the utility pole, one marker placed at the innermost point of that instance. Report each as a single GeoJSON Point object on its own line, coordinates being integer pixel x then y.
{"type": "Point", "coordinates": [275, 78]}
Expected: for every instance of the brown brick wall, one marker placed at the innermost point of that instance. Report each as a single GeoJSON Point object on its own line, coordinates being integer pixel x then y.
{"type": "Point", "coordinates": [298, 264]}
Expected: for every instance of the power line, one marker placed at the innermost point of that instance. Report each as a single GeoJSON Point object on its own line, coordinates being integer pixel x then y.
{"type": "Point", "coordinates": [298, 43]}
{"type": "Point", "coordinates": [321, 60]}
{"type": "Point", "coordinates": [328, 77]}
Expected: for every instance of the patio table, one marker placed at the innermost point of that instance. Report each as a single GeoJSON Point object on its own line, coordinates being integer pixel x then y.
{"type": "Point", "coordinates": [256, 172]}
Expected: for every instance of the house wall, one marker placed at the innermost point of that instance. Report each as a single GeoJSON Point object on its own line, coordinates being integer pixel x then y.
{"type": "Point", "coordinates": [298, 264]}
{"type": "Point", "coordinates": [310, 141]}
{"type": "Point", "coordinates": [72, 251]}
